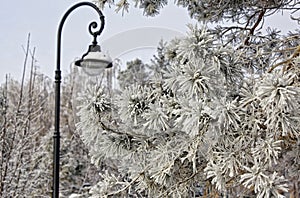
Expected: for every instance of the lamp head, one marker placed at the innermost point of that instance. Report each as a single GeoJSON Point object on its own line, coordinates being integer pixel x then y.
{"type": "Point", "coordinates": [94, 61]}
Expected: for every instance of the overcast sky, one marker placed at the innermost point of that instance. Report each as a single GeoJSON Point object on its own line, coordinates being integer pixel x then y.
{"type": "Point", "coordinates": [130, 35]}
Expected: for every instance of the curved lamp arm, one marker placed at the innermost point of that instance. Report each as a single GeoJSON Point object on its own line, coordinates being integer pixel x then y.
{"type": "Point", "coordinates": [56, 136]}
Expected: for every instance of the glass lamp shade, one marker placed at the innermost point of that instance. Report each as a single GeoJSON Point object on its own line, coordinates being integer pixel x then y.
{"type": "Point", "coordinates": [94, 62]}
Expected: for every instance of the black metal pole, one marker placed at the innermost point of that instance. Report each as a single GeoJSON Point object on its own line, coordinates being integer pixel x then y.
{"type": "Point", "coordinates": [56, 136]}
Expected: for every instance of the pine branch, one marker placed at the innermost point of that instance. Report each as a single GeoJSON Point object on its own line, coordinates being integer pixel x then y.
{"type": "Point", "coordinates": [251, 33]}
{"type": "Point", "coordinates": [287, 61]}
{"type": "Point", "coordinates": [130, 135]}
{"type": "Point", "coordinates": [128, 185]}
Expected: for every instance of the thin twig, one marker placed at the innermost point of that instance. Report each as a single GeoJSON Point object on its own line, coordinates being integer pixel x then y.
{"type": "Point", "coordinates": [18, 162]}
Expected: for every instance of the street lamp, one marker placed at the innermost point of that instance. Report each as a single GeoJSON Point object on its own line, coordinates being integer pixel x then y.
{"type": "Point", "coordinates": [93, 60]}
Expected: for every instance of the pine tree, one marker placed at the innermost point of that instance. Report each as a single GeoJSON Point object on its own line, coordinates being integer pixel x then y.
{"type": "Point", "coordinates": [222, 118]}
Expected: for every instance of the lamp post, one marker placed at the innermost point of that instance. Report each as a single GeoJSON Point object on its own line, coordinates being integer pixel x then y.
{"type": "Point", "coordinates": [93, 60]}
